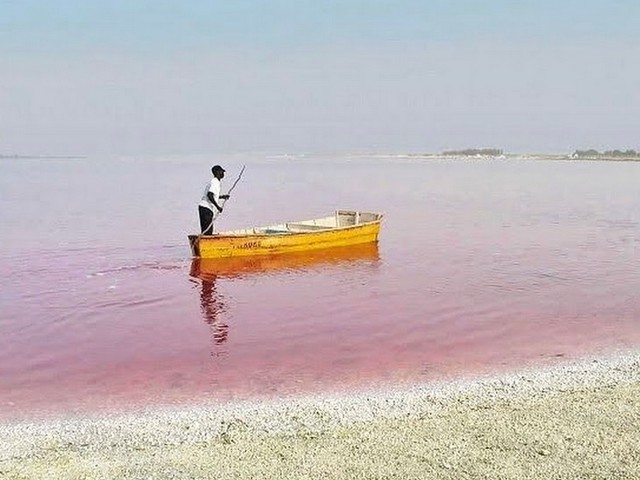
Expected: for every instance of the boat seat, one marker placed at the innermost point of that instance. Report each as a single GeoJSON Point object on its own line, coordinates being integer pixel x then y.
{"type": "Point", "coordinates": [297, 227]}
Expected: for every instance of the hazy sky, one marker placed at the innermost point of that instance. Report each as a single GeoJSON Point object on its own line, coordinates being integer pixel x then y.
{"type": "Point", "coordinates": [196, 76]}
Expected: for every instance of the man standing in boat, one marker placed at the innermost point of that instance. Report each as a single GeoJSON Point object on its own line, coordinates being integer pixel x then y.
{"type": "Point", "coordinates": [210, 206]}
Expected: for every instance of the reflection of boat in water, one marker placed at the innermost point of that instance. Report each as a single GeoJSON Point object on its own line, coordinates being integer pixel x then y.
{"type": "Point", "coordinates": [344, 228]}
{"type": "Point", "coordinates": [212, 268]}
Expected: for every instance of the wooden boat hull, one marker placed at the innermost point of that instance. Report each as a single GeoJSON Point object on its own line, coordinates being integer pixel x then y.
{"type": "Point", "coordinates": [349, 228]}
{"type": "Point", "coordinates": [231, 267]}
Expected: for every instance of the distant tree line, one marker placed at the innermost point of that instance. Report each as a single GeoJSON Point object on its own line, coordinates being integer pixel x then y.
{"type": "Point", "coordinates": [475, 151]}
{"type": "Point", "coordinates": [608, 153]}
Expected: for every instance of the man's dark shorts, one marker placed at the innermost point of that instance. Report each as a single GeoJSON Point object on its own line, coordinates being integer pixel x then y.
{"type": "Point", "coordinates": [206, 220]}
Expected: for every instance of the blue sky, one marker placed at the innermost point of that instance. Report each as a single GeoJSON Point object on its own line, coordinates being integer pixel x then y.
{"type": "Point", "coordinates": [132, 25]}
{"type": "Point", "coordinates": [202, 76]}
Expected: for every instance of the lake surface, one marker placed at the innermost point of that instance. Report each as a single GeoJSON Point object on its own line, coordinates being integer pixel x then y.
{"type": "Point", "coordinates": [482, 265]}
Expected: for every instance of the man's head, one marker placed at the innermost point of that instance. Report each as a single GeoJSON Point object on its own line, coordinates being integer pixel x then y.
{"type": "Point", "coordinates": [218, 172]}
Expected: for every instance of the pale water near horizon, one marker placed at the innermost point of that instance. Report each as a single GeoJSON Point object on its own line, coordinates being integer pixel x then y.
{"type": "Point", "coordinates": [481, 266]}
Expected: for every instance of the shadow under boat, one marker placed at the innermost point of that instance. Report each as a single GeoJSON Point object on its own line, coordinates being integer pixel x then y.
{"type": "Point", "coordinates": [209, 269]}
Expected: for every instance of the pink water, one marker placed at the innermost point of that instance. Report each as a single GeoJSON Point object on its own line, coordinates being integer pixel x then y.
{"type": "Point", "coordinates": [481, 266]}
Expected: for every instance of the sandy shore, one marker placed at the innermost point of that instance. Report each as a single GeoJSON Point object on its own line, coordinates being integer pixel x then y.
{"type": "Point", "coordinates": [575, 420]}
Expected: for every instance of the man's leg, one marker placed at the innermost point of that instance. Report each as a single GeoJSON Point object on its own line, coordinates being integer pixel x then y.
{"type": "Point", "coordinates": [206, 220]}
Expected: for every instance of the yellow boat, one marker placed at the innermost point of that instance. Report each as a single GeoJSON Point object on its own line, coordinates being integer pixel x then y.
{"type": "Point", "coordinates": [344, 228]}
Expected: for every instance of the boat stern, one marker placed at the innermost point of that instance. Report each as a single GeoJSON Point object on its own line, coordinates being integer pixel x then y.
{"type": "Point", "coordinates": [194, 243]}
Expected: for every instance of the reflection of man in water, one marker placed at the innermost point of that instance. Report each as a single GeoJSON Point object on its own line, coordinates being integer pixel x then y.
{"type": "Point", "coordinates": [211, 306]}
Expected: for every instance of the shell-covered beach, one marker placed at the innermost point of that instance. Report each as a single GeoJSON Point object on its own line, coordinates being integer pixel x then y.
{"type": "Point", "coordinates": [574, 420]}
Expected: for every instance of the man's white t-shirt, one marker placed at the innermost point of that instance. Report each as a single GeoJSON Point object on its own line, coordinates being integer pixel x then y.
{"type": "Point", "coordinates": [214, 187]}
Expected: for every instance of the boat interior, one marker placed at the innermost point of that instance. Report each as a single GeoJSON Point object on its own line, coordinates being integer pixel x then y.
{"type": "Point", "coordinates": [341, 219]}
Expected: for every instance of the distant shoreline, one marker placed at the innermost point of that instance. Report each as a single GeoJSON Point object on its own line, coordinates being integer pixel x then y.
{"type": "Point", "coordinates": [429, 156]}
{"type": "Point", "coordinates": [524, 156]}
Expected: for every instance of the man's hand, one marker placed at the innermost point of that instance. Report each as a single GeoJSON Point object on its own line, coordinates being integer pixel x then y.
{"type": "Point", "coordinates": [225, 197]}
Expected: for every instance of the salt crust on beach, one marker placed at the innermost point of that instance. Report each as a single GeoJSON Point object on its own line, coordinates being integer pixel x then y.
{"type": "Point", "coordinates": [578, 419]}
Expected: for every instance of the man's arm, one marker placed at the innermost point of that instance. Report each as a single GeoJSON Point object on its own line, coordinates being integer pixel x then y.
{"type": "Point", "coordinates": [212, 198]}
